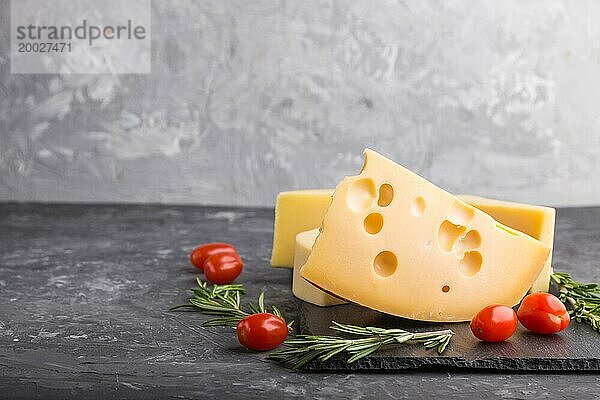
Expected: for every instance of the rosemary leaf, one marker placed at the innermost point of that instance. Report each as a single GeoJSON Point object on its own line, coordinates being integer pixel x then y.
{"type": "Point", "coordinates": [261, 302]}
{"type": "Point", "coordinates": [253, 309]}
{"type": "Point", "coordinates": [357, 356]}
{"type": "Point", "coordinates": [362, 342]}
{"type": "Point", "coordinates": [364, 345]}
{"type": "Point", "coordinates": [224, 301]}
{"type": "Point", "coordinates": [223, 321]}
{"type": "Point", "coordinates": [333, 352]}
{"type": "Point", "coordinates": [443, 345]}
{"type": "Point", "coordinates": [403, 338]}
{"type": "Point", "coordinates": [582, 299]}
{"type": "Point", "coordinates": [305, 358]}
{"type": "Point", "coordinates": [276, 311]}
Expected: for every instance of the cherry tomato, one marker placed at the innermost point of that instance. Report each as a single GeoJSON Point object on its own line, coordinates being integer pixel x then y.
{"type": "Point", "coordinates": [543, 313]}
{"type": "Point", "coordinates": [200, 254]}
{"type": "Point", "coordinates": [494, 323]}
{"type": "Point", "coordinates": [222, 268]}
{"type": "Point", "coordinates": [262, 331]}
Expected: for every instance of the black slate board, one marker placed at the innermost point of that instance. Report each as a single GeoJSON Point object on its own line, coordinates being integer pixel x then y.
{"type": "Point", "coordinates": [576, 349]}
{"type": "Point", "coordinates": [576, 250]}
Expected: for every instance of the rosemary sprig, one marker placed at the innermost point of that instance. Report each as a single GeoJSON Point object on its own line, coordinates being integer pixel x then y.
{"type": "Point", "coordinates": [304, 348]}
{"type": "Point", "coordinates": [582, 298]}
{"type": "Point", "coordinates": [225, 301]}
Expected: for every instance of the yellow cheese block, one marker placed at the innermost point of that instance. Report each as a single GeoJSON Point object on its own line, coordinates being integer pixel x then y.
{"type": "Point", "coordinates": [394, 242]}
{"type": "Point", "coordinates": [302, 289]}
{"type": "Point", "coordinates": [296, 212]}
{"type": "Point", "coordinates": [536, 221]}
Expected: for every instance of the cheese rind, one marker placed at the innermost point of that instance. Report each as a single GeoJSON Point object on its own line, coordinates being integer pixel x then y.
{"type": "Point", "coordinates": [300, 287]}
{"type": "Point", "coordinates": [296, 212]}
{"type": "Point", "coordinates": [394, 242]}
{"type": "Point", "coordinates": [536, 221]}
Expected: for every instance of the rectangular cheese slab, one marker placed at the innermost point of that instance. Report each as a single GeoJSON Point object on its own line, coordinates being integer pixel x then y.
{"type": "Point", "coordinates": [296, 212]}
{"type": "Point", "coordinates": [396, 243]}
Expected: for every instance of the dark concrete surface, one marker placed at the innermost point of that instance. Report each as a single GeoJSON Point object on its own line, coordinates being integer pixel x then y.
{"type": "Point", "coordinates": [84, 293]}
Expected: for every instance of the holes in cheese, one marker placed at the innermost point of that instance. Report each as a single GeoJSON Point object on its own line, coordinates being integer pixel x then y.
{"type": "Point", "coordinates": [470, 264]}
{"type": "Point", "coordinates": [385, 264]}
{"type": "Point", "coordinates": [404, 267]}
{"type": "Point", "coordinates": [386, 195]}
{"type": "Point", "coordinates": [471, 240]}
{"type": "Point", "coordinates": [418, 206]}
{"type": "Point", "coordinates": [361, 195]}
{"type": "Point", "coordinates": [461, 213]}
{"type": "Point", "coordinates": [373, 223]}
{"type": "Point", "coordinates": [449, 234]}
{"type": "Point", "coordinates": [536, 221]}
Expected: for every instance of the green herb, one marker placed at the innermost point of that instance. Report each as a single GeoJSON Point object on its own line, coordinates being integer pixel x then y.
{"type": "Point", "coordinates": [582, 298]}
{"type": "Point", "coordinates": [305, 348]}
{"type": "Point", "coordinates": [225, 301]}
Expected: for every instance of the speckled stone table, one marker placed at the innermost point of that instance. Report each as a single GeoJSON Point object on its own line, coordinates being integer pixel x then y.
{"type": "Point", "coordinates": [84, 293]}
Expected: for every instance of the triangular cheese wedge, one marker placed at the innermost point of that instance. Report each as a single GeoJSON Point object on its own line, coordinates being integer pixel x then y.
{"type": "Point", "coordinates": [394, 242]}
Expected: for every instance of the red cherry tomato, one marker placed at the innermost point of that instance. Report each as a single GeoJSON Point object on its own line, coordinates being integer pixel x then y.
{"type": "Point", "coordinates": [200, 254]}
{"type": "Point", "coordinates": [261, 331]}
{"type": "Point", "coordinates": [222, 268]}
{"type": "Point", "coordinates": [543, 313]}
{"type": "Point", "coordinates": [494, 323]}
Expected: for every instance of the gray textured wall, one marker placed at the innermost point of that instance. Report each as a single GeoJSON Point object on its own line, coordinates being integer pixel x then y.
{"type": "Point", "coordinates": [248, 98]}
